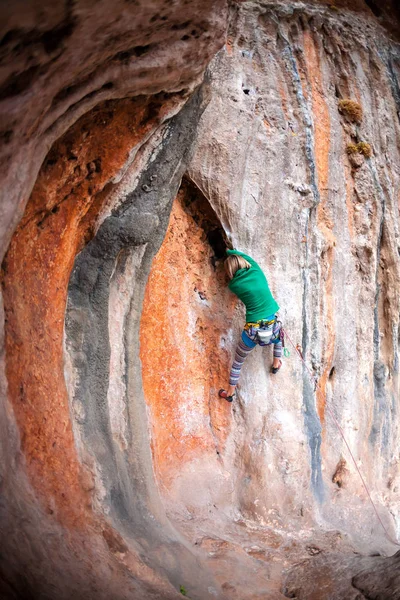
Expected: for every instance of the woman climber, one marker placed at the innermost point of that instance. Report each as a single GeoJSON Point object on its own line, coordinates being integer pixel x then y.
{"type": "Point", "coordinates": [249, 283]}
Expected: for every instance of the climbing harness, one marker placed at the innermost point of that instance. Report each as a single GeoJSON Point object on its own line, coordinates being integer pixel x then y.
{"type": "Point", "coordinates": [315, 382]}
{"type": "Point", "coordinates": [286, 352]}
{"type": "Point", "coordinates": [261, 323]}
{"type": "Point", "coordinates": [260, 331]}
{"type": "Point", "coordinates": [264, 332]}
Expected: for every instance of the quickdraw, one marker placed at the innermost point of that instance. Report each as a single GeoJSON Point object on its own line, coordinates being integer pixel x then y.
{"type": "Point", "coordinates": [286, 352]}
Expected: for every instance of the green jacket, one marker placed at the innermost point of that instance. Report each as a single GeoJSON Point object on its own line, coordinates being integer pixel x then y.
{"type": "Point", "coordinates": [251, 286]}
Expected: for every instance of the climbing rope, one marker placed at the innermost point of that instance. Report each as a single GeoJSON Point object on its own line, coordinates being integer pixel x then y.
{"type": "Point", "coordinates": [315, 382]}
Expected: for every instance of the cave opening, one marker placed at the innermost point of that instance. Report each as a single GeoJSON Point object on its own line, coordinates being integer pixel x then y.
{"type": "Point", "coordinates": [374, 7]}
{"type": "Point", "coordinates": [198, 207]}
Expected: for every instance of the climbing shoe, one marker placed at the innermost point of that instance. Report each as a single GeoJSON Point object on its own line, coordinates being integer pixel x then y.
{"type": "Point", "coordinates": [274, 370]}
{"type": "Point", "coordinates": [224, 394]}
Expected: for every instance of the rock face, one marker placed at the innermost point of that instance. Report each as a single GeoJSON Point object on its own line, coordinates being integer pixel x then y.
{"type": "Point", "coordinates": [278, 134]}
{"type": "Point", "coordinates": [107, 83]}
{"type": "Point", "coordinates": [122, 473]}
{"type": "Point", "coordinates": [336, 577]}
{"type": "Point", "coordinates": [186, 420]}
{"type": "Point", "coordinates": [59, 61]}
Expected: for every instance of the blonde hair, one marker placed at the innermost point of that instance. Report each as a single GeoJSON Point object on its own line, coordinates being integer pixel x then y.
{"type": "Point", "coordinates": [233, 263]}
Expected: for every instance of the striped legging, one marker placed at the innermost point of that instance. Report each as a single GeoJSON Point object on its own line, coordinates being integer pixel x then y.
{"type": "Point", "coordinates": [246, 345]}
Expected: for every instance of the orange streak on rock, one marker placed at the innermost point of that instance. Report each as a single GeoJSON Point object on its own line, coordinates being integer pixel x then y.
{"type": "Point", "coordinates": [322, 133]}
{"type": "Point", "coordinates": [229, 46]}
{"type": "Point", "coordinates": [35, 278]}
{"type": "Point", "coordinates": [186, 316]}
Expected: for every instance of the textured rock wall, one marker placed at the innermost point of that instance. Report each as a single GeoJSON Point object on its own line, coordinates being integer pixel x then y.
{"type": "Point", "coordinates": [35, 304]}
{"type": "Point", "coordinates": [110, 80]}
{"type": "Point", "coordinates": [59, 60]}
{"type": "Point", "coordinates": [122, 473]}
{"type": "Point", "coordinates": [326, 230]}
{"type": "Point", "coordinates": [68, 192]}
{"type": "Point", "coordinates": [275, 158]}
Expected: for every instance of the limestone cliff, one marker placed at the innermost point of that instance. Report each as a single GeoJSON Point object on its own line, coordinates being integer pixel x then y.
{"type": "Point", "coordinates": [126, 169]}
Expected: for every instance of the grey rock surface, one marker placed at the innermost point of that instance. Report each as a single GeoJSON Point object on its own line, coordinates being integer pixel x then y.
{"type": "Point", "coordinates": [335, 577]}
{"type": "Point", "coordinates": [271, 158]}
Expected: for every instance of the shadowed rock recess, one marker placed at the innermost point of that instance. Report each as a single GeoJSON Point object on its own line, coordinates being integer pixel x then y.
{"type": "Point", "coordinates": [136, 139]}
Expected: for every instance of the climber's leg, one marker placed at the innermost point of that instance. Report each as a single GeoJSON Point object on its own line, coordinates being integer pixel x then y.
{"type": "Point", "coordinates": [278, 350]}
{"type": "Point", "coordinates": [244, 347]}
{"type": "Point", "coordinates": [277, 343]}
